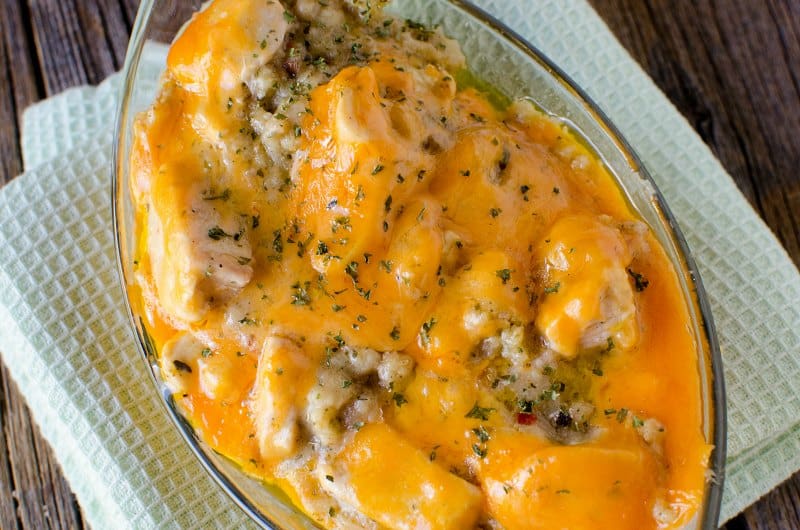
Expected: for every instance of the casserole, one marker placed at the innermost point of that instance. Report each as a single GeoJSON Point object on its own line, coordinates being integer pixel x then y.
{"type": "Point", "coordinates": [530, 77]}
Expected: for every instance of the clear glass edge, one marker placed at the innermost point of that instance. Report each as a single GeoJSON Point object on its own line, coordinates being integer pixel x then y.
{"type": "Point", "coordinates": [713, 498]}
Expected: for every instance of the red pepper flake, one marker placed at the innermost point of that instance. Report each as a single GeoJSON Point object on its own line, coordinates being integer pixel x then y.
{"type": "Point", "coordinates": [526, 418]}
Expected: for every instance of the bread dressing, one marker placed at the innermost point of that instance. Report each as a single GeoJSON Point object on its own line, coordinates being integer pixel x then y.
{"type": "Point", "coordinates": [406, 306]}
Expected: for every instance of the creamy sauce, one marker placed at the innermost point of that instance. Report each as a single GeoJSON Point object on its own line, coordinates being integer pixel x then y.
{"type": "Point", "coordinates": [405, 306]}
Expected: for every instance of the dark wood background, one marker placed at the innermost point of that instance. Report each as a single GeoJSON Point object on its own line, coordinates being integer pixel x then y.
{"type": "Point", "coordinates": [732, 67]}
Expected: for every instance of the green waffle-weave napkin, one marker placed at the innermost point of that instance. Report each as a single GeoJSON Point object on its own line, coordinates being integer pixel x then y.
{"type": "Point", "coordinates": [66, 341]}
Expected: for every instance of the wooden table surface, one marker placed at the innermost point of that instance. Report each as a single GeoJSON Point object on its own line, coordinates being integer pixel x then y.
{"type": "Point", "coordinates": [732, 67]}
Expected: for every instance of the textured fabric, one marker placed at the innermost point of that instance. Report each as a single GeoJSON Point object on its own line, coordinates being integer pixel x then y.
{"type": "Point", "coordinates": [65, 334]}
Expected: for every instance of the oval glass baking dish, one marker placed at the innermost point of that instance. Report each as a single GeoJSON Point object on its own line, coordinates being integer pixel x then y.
{"type": "Point", "coordinates": [517, 70]}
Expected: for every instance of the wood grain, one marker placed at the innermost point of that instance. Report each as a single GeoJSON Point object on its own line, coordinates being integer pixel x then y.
{"type": "Point", "coordinates": [732, 68]}
{"type": "Point", "coordinates": [18, 65]}
{"type": "Point", "coordinates": [43, 497]}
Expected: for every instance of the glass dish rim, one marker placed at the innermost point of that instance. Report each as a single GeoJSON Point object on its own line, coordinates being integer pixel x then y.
{"type": "Point", "coordinates": [716, 466]}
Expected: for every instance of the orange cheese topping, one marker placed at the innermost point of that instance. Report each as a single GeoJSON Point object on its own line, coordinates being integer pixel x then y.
{"type": "Point", "coordinates": [406, 307]}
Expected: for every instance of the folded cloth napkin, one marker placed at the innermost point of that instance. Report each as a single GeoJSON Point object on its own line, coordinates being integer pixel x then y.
{"type": "Point", "coordinates": [66, 341]}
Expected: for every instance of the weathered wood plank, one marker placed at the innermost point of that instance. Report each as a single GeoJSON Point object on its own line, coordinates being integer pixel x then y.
{"type": "Point", "coordinates": [104, 23]}
{"type": "Point", "coordinates": [9, 149]}
{"type": "Point", "coordinates": [18, 67]}
{"type": "Point", "coordinates": [119, 30]}
{"type": "Point", "coordinates": [79, 41]}
{"type": "Point", "coordinates": [26, 82]}
{"type": "Point", "coordinates": [44, 497]}
{"type": "Point", "coordinates": [8, 503]}
{"type": "Point", "coordinates": [60, 45]}
{"type": "Point", "coordinates": [732, 70]}
{"type": "Point", "coordinates": [779, 509]}
{"type": "Point", "coordinates": [129, 8]}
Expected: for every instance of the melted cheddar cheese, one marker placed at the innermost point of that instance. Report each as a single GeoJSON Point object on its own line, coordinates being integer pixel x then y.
{"type": "Point", "coordinates": [405, 306]}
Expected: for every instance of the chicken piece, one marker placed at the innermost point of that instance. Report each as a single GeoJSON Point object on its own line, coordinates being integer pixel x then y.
{"type": "Point", "coordinates": [325, 401]}
{"type": "Point", "coordinates": [367, 151]}
{"type": "Point", "coordinates": [397, 289]}
{"type": "Point", "coordinates": [303, 474]}
{"type": "Point", "coordinates": [216, 63]}
{"type": "Point", "coordinates": [550, 488]}
{"type": "Point", "coordinates": [395, 370]}
{"type": "Point", "coordinates": [432, 406]}
{"type": "Point", "coordinates": [179, 357]}
{"type": "Point", "coordinates": [282, 366]}
{"type": "Point", "coordinates": [200, 254]}
{"type": "Point", "coordinates": [226, 43]}
{"type": "Point", "coordinates": [217, 378]}
{"type": "Point", "coordinates": [415, 252]}
{"type": "Point", "coordinates": [478, 301]}
{"type": "Point", "coordinates": [587, 301]}
{"type": "Point", "coordinates": [398, 486]}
